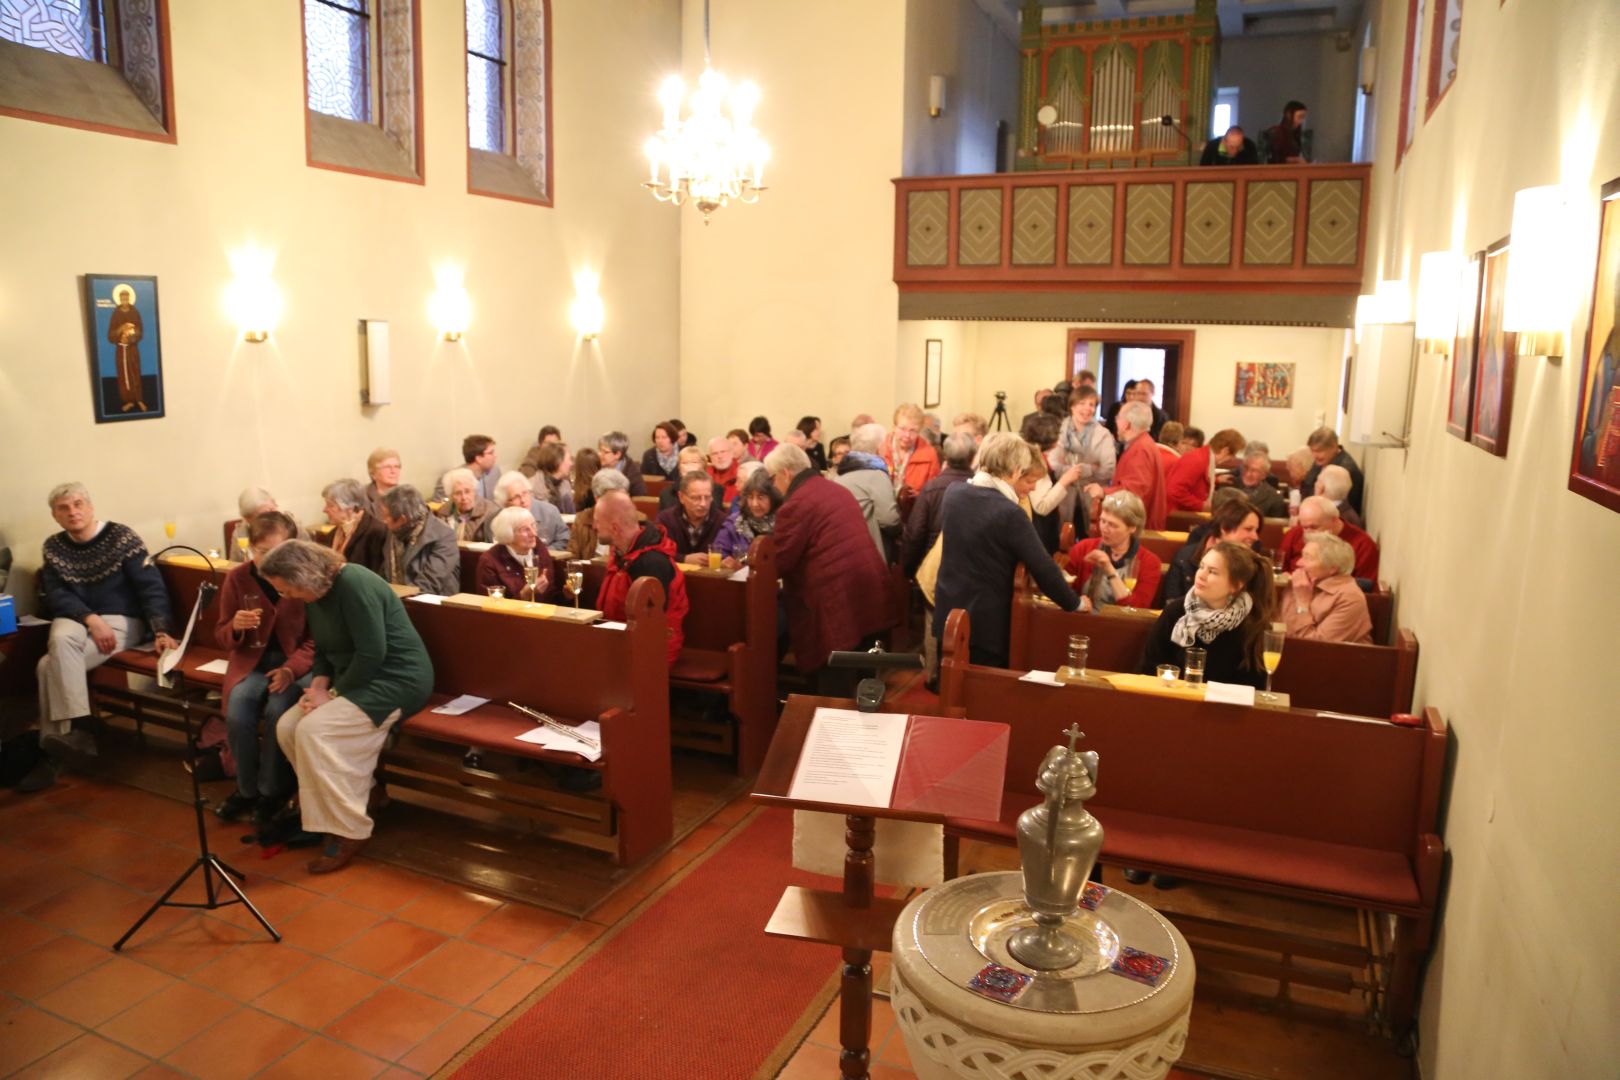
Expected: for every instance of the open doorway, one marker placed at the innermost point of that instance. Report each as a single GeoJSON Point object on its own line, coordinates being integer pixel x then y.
{"type": "Point", "coordinates": [1118, 355]}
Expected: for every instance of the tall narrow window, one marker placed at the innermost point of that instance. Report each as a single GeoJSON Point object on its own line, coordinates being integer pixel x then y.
{"type": "Point", "coordinates": [68, 27]}
{"type": "Point", "coordinates": [337, 52]}
{"type": "Point", "coordinates": [127, 92]}
{"type": "Point", "coordinates": [486, 76]}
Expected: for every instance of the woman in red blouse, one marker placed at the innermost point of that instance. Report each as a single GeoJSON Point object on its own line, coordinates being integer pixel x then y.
{"type": "Point", "coordinates": [1113, 567]}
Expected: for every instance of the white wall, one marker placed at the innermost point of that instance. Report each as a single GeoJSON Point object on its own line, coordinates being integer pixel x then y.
{"type": "Point", "coordinates": [788, 306]}
{"type": "Point", "coordinates": [956, 39]}
{"type": "Point", "coordinates": [1270, 70]}
{"type": "Point", "coordinates": [286, 414]}
{"type": "Point", "coordinates": [1506, 576]}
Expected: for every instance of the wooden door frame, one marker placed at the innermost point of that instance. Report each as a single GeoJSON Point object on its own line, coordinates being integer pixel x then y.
{"type": "Point", "coordinates": [1122, 335]}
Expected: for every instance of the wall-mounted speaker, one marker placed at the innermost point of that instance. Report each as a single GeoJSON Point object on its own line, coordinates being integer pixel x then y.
{"type": "Point", "coordinates": [376, 391]}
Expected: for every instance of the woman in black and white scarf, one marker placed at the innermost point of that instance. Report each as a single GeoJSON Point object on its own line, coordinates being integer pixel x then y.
{"type": "Point", "coordinates": [1225, 613]}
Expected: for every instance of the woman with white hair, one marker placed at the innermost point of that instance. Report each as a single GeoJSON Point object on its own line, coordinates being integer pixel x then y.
{"type": "Point", "coordinates": [250, 504]}
{"type": "Point", "coordinates": [370, 670]}
{"type": "Point", "coordinates": [985, 536]}
{"type": "Point", "coordinates": [1334, 483]}
{"type": "Point", "coordinates": [514, 489]}
{"type": "Point", "coordinates": [1324, 601]}
{"type": "Point", "coordinates": [383, 466]}
{"type": "Point", "coordinates": [864, 474]}
{"type": "Point", "coordinates": [466, 512]}
{"type": "Point", "coordinates": [515, 549]}
{"type": "Point", "coordinates": [356, 534]}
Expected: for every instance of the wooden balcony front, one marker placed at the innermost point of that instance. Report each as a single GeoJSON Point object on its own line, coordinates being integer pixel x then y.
{"type": "Point", "coordinates": [1275, 229]}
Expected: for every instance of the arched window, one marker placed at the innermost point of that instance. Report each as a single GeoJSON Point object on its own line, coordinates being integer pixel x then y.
{"type": "Point", "coordinates": [486, 76]}
{"type": "Point", "coordinates": [337, 55]}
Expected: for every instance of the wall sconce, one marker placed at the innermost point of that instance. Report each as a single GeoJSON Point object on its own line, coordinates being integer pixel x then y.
{"type": "Point", "coordinates": [1439, 275]}
{"type": "Point", "coordinates": [449, 307]}
{"type": "Point", "coordinates": [1394, 302]}
{"type": "Point", "coordinates": [1367, 70]}
{"type": "Point", "coordinates": [1537, 304]}
{"type": "Point", "coordinates": [252, 299]}
{"type": "Point", "coordinates": [936, 94]}
{"type": "Point", "coordinates": [1366, 312]}
{"type": "Point", "coordinates": [587, 311]}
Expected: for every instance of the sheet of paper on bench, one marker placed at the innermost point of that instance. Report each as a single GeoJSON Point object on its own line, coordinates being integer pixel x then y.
{"type": "Point", "coordinates": [552, 739]}
{"type": "Point", "coordinates": [611, 626]}
{"type": "Point", "coordinates": [1229, 693]}
{"type": "Point", "coordinates": [934, 764]}
{"type": "Point", "coordinates": [171, 659]}
{"type": "Point", "coordinates": [1045, 678]}
{"type": "Point", "coordinates": [427, 598]}
{"type": "Point", "coordinates": [466, 703]}
{"type": "Point", "coordinates": [215, 667]}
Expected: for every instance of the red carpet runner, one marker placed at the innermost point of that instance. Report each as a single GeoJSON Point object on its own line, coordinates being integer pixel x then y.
{"type": "Point", "coordinates": [692, 988]}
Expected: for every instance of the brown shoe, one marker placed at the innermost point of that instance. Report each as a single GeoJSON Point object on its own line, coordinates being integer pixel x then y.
{"type": "Point", "coordinates": [336, 853]}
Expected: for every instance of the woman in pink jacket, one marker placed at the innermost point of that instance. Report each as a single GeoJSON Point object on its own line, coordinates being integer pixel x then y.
{"type": "Point", "coordinates": [1325, 603]}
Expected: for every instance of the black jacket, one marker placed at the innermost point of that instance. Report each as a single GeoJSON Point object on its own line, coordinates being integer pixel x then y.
{"type": "Point", "coordinates": [1226, 662]}
{"type": "Point", "coordinates": [923, 524]}
{"type": "Point", "coordinates": [1307, 486]}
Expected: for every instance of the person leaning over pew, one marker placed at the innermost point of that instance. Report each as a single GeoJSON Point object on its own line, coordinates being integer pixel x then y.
{"type": "Point", "coordinates": [271, 653]}
{"type": "Point", "coordinates": [985, 536]}
{"type": "Point", "coordinates": [421, 549]}
{"type": "Point", "coordinates": [1318, 514]}
{"type": "Point", "coordinates": [370, 669]}
{"type": "Point", "coordinates": [1103, 564]}
{"type": "Point", "coordinates": [1324, 601]}
{"type": "Point", "coordinates": [101, 596]}
{"type": "Point", "coordinates": [356, 534]}
{"type": "Point", "coordinates": [639, 550]}
{"type": "Point", "coordinates": [466, 511]}
{"type": "Point", "coordinates": [835, 587]}
{"type": "Point", "coordinates": [513, 489]}
{"type": "Point", "coordinates": [1194, 476]}
{"type": "Point", "coordinates": [1234, 520]}
{"type": "Point", "coordinates": [1225, 613]}
{"type": "Point", "coordinates": [515, 548]}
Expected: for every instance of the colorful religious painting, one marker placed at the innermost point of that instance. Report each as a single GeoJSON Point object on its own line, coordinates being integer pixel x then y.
{"type": "Point", "coordinates": [1460, 411]}
{"type": "Point", "coordinates": [1268, 386]}
{"type": "Point", "coordinates": [1595, 470]}
{"type": "Point", "coordinates": [1444, 46]}
{"type": "Point", "coordinates": [1495, 361]}
{"type": "Point", "coordinates": [126, 363]}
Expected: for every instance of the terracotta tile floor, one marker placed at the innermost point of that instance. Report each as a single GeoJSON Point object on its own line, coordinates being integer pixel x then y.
{"type": "Point", "coordinates": [382, 973]}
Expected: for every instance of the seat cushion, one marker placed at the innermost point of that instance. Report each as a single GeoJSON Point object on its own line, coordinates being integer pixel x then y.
{"type": "Point", "coordinates": [144, 662]}
{"type": "Point", "coordinates": [700, 665]}
{"type": "Point", "coordinates": [488, 727]}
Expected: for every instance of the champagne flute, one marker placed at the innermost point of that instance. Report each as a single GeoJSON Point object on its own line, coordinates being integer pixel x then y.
{"type": "Point", "coordinates": [168, 527]}
{"type": "Point", "coordinates": [1271, 652]}
{"type": "Point", "coordinates": [242, 546]}
{"type": "Point", "coordinates": [576, 579]}
{"type": "Point", "coordinates": [1130, 583]}
{"type": "Point", "coordinates": [531, 579]}
{"type": "Point", "coordinates": [254, 602]}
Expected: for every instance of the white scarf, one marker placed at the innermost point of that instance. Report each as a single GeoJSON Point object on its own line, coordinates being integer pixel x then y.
{"type": "Point", "coordinates": [985, 480]}
{"type": "Point", "coordinates": [1202, 623]}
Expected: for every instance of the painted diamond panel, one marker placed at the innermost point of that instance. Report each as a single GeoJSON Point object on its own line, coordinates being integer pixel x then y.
{"type": "Point", "coordinates": [1268, 223]}
{"type": "Point", "coordinates": [58, 26]}
{"type": "Point", "coordinates": [978, 235]}
{"type": "Point", "coordinates": [1333, 223]}
{"type": "Point", "coordinates": [1034, 226]}
{"type": "Point", "coordinates": [1206, 225]}
{"type": "Point", "coordinates": [336, 41]}
{"type": "Point", "coordinates": [926, 227]}
{"type": "Point", "coordinates": [1147, 224]}
{"type": "Point", "coordinates": [1091, 225]}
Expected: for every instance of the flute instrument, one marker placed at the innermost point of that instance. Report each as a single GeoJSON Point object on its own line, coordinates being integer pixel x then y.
{"type": "Point", "coordinates": [572, 733]}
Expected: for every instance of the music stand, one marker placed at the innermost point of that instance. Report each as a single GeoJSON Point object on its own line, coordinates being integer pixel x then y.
{"type": "Point", "coordinates": [206, 861]}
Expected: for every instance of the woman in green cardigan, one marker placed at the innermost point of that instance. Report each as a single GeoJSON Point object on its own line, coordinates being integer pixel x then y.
{"type": "Point", "coordinates": [370, 669]}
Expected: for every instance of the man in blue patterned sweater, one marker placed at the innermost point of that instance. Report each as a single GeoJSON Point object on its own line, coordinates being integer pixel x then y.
{"type": "Point", "coordinates": [101, 596]}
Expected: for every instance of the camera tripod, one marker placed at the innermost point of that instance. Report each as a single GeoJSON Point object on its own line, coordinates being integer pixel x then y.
{"type": "Point", "coordinates": [998, 418]}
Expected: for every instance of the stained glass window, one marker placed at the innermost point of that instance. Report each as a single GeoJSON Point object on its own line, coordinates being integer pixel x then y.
{"type": "Point", "coordinates": [486, 76]}
{"type": "Point", "coordinates": [337, 52]}
{"type": "Point", "coordinates": [69, 27]}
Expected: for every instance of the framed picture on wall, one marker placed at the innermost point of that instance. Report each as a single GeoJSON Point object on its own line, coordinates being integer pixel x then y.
{"type": "Point", "coordinates": [1460, 410]}
{"type": "Point", "coordinates": [1268, 386]}
{"type": "Point", "coordinates": [1595, 469]}
{"type": "Point", "coordinates": [126, 360]}
{"type": "Point", "coordinates": [933, 364]}
{"type": "Point", "coordinates": [1495, 358]}
{"type": "Point", "coordinates": [1445, 45]}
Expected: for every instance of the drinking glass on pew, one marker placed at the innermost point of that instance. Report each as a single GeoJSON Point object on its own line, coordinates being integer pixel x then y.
{"type": "Point", "coordinates": [168, 527]}
{"type": "Point", "coordinates": [1195, 666]}
{"type": "Point", "coordinates": [531, 580]}
{"type": "Point", "coordinates": [254, 602]}
{"type": "Point", "coordinates": [496, 592]}
{"type": "Point", "coordinates": [1169, 673]}
{"type": "Point", "coordinates": [576, 578]}
{"type": "Point", "coordinates": [1271, 653]}
{"type": "Point", "coordinates": [1075, 670]}
{"type": "Point", "coordinates": [714, 558]}
{"type": "Point", "coordinates": [242, 545]}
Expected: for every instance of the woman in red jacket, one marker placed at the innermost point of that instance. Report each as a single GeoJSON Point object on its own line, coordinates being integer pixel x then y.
{"type": "Point", "coordinates": [1114, 567]}
{"type": "Point", "coordinates": [271, 653]}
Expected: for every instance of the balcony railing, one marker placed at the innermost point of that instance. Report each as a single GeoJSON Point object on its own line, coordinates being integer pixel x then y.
{"type": "Point", "coordinates": [1277, 228]}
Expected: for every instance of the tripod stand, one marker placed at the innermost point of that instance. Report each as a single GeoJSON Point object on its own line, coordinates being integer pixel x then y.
{"type": "Point", "coordinates": [206, 861]}
{"type": "Point", "coordinates": [998, 418]}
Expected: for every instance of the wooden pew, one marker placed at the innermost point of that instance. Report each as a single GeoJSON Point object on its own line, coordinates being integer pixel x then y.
{"type": "Point", "coordinates": [1365, 680]}
{"type": "Point", "coordinates": [575, 673]}
{"type": "Point", "coordinates": [655, 484]}
{"type": "Point", "coordinates": [1271, 529]}
{"type": "Point", "coordinates": [1284, 801]}
{"type": "Point", "coordinates": [647, 504]}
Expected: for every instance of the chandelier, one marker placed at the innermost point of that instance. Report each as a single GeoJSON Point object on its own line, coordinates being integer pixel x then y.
{"type": "Point", "coordinates": [709, 158]}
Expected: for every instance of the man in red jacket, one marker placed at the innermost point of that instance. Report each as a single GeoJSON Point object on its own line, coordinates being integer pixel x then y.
{"type": "Point", "coordinates": [639, 550]}
{"type": "Point", "coordinates": [1190, 480]}
{"type": "Point", "coordinates": [834, 584]}
{"type": "Point", "coordinates": [1318, 514]}
{"type": "Point", "coordinates": [1140, 468]}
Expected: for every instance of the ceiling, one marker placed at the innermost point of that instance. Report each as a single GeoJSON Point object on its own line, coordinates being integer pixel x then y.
{"type": "Point", "coordinates": [1237, 17]}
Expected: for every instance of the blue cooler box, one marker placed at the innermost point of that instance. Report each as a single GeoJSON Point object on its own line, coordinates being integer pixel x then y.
{"type": "Point", "coordinates": [8, 615]}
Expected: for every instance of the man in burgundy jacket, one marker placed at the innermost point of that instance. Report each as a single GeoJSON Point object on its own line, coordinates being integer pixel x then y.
{"type": "Point", "coordinates": [1188, 482]}
{"type": "Point", "coordinates": [1318, 514]}
{"type": "Point", "coordinates": [835, 586]}
{"type": "Point", "coordinates": [1140, 468]}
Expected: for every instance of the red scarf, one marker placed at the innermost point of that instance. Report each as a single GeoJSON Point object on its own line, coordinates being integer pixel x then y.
{"type": "Point", "coordinates": [616, 586]}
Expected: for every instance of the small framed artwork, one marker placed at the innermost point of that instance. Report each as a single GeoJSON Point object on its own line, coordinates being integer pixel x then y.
{"type": "Point", "coordinates": [1496, 355]}
{"type": "Point", "coordinates": [1268, 386]}
{"type": "Point", "coordinates": [126, 360]}
{"type": "Point", "coordinates": [933, 365]}
{"type": "Point", "coordinates": [1459, 411]}
{"type": "Point", "coordinates": [1595, 470]}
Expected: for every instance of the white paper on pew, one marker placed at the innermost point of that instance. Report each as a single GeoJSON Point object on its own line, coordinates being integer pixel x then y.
{"type": "Point", "coordinates": [466, 703]}
{"type": "Point", "coordinates": [611, 625]}
{"type": "Point", "coordinates": [1045, 678]}
{"type": "Point", "coordinates": [552, 739]}
{"type": "Point", "coordinates": [31, 620]}
{"type": "Point", "coordinates": [215, 667]}
{"type": "Point", "coordinates": [476, 545]}
{"type": "Point", "coordinates": [740, 575]}
{"type": "Point", "coordinates": [1229, 693]}
{"type": "Point", "coordinates": [171, 659]}
{"type": "Point", "coordinates": [426, 598]}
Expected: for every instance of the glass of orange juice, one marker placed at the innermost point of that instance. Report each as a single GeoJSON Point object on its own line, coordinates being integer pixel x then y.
{"type": "Point", "coordinates": [714, 558]}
